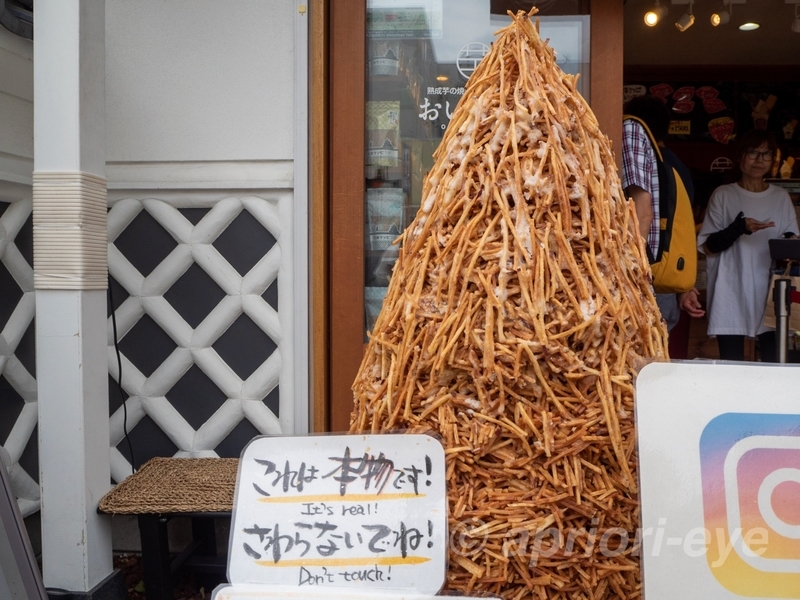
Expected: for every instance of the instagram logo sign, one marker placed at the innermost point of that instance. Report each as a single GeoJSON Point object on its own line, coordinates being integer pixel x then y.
{"type": "Point", "coordinates": [750, 469]}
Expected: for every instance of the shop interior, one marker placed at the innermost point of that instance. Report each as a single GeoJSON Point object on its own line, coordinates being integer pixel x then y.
{"type": "Point", "coordinates": [718, 81]}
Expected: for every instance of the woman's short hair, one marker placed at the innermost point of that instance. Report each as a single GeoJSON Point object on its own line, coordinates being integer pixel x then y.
{"type": "Point", "coordinates": [753, 139]}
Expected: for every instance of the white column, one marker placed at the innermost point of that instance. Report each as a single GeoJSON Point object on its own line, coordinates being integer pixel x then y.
{"type": "Point", "coordinates": [70, 258]}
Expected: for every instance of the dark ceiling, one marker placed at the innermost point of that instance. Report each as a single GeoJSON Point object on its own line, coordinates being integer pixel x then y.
{"type": "Point", "coordinates": [774, 43]}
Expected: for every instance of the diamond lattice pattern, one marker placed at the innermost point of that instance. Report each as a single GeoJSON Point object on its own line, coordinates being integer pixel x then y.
{"type": "Point", "coordinates": [21, 418]}
{"type": "Point", "coordinates": [239, 307]}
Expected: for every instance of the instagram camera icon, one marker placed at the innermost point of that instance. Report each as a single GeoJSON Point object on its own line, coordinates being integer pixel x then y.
{"type": "Point", "coordinates": [750, 469]}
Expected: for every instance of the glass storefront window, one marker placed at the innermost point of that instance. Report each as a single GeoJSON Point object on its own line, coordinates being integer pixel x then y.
{"type": "Point", "coordinates": [420, 54]}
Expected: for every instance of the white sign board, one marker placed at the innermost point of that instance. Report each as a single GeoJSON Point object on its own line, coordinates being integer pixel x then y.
{"type": "Point", "coordinates": [245, 591]}
{"type": "Point", "coordinates": [341, 512]}
{"type": "Point", "coordinates": [719, 466]}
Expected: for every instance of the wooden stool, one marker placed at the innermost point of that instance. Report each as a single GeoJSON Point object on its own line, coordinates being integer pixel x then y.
{"type": "Point", "coordinates": [198, 488]}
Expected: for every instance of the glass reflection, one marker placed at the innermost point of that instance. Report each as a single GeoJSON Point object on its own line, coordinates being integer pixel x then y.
{"type": "Point", "coordinates": [420, 55]}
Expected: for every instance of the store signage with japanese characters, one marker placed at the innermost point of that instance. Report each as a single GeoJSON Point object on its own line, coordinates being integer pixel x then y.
{"type": "Point", "coordinates": [440, 110]}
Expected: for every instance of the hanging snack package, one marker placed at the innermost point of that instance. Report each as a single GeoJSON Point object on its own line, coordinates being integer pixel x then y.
{"type": "Point", "coordinates": [516, 319]}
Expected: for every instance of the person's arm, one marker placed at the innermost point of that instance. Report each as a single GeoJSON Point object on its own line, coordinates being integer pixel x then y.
{"type": "Point", "coordinates": [643, 205]}
{"type": "Point", "coordinates": [721, 240]}
{"type": "Point", "coordinates": [638, 163]}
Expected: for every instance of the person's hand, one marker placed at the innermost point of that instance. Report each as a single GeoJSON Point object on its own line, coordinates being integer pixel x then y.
{"type": "Point", "coordinates": [642, 203]}
{"type": "Point", "coordinates": [753, 225]}
{"type": "Point", "coordinates": [690, 302]}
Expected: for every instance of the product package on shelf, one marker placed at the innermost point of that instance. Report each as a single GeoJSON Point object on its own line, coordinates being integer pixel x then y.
{"type": "Point", "coordinates": [383, 133]}
{"type": "Point", "coordinates": [384, 57]}
{"type": "Point", "coordinates": [384, 216]}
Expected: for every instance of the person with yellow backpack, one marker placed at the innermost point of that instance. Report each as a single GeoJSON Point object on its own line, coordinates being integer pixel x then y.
{"type": "Point", "coordinates": [660, 187]}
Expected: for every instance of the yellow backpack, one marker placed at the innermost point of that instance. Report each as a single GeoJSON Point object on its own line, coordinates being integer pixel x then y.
{"type": "Point", "coordinates": [675, 267]}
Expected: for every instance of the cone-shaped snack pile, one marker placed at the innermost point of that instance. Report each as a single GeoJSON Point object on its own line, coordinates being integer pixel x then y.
{"type": "Point", "coordinates": [517, 316]}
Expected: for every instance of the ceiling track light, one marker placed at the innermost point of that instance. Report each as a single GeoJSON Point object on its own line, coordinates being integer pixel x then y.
{"type": "Point", "coordinates": [722, 17]}
{"type": "Point", "coordinates": [687, 20]}
{"type": "Point", "coordinates": [652, 17]}
{"type": "Point", "coordinates": [796, 23]}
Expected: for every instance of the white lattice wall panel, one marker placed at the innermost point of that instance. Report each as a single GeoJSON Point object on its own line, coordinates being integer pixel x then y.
{"type": "Point", "coordinates": [18, 400]}
{"type": "Point", "coordinates": [236, 301]}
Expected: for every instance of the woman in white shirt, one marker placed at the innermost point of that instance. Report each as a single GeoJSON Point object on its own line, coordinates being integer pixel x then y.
{"type": "Point", "coordinates": [741, 219]}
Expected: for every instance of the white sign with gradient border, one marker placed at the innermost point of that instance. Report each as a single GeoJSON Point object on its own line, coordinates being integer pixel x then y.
{"type": "Point", "coordinates": [719, 468]}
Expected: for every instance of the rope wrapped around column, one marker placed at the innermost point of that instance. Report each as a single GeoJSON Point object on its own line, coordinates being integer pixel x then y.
{"type": "Point", "coordinates": [70, 237]}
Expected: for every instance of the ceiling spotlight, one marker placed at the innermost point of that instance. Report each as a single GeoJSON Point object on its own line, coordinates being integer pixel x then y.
{"type": "Point", "coordinates": [687, 20]}
{"type": "Point", "coordinates": [723, 16]}
{"type": "Point", "coordinates": [796, 24]}
{"type": "Point", "coordinates": [749, 26]}
{"type": "Point", "coordinates": [652, 17]}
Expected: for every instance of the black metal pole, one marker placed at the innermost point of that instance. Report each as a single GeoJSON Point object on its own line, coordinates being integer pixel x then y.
{"type": "Point", "coordinates": [781, 295]}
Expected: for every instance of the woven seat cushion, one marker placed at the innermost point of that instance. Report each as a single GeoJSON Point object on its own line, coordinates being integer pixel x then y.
{"type": "Point", "coordinates": [175, 485]}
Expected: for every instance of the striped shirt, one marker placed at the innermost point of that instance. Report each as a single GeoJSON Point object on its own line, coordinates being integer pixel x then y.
{"type": "Point", "coordinates": [639, 168]}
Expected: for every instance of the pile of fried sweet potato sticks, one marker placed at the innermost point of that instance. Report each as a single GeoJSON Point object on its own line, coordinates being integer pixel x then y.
{"type": "Point", "coordinates": [517, 316]}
